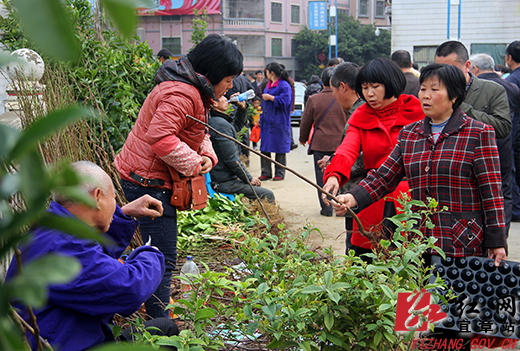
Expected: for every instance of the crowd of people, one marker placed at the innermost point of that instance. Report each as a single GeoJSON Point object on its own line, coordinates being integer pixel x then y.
{"type": "Point", "coordinates": [449, 133]}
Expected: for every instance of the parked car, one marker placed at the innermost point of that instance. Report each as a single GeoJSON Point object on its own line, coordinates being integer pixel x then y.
{"type": "Point", "coordinates": [296, 116]}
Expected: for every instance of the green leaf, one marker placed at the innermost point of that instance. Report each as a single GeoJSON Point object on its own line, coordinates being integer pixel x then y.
{"type": "Point", "coordinates": [169, 342]}
{"type": "Point", "coordinates": [261, 289]}
{"type": "Point", "coordinates": [328, 278]}
{"type": "Point", "coordinates": [11, 183]}
{"type": "Point", "coordinates": [123, 14]}
{"type": "Point", "coordinates": [305, 346]}
{"type": "Point", "coordinates": [46, 126]}
{"type": "Point", "coordinates": [301, 311]}
{"type": "Point", "coordinates": [124, 347]}
{"type": "Point", "coordinates": [248, 312]}
{"type": "Point", "coordinates": [388, 292]}
{"type": "Point", "coordinates": [75, 194]}
{"type": "Point", "coordinates": [204, 314]}
{"type": "Point", "coordinates": [329, 321]}
{"type": "Point", "coordinates": [334, 339]}
{"type": "Point", "coordinates": [377, 338]}
{"type": "Point", "coordinates": [52, 269]}
{"type": "Point", "coordinates": [8, 138]}
{"type": "Point", "coordinates": [30, 287]}
{"type": "Point", "coordinates": [384, 307]}
{"type": "Point", "coordinates": [312, 289]}
{"type": "Point", "coordinates": [252, 328]}
{"type": "Point", "coordinates": [72, 226]}
{"type": "Point", "coordinates": [48, 24]}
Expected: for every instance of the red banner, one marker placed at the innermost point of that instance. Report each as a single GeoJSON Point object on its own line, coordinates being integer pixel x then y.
{"type": "Point", "coordinates": [181, 7]}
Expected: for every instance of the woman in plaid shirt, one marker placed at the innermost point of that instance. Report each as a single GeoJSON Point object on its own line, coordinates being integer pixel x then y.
{"type": "Point", "coordinates": [451, 158]}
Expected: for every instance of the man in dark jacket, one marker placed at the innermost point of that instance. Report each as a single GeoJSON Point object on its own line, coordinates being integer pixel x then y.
{"type": "Point", "coordinates": [485, 101]}
{"type": "Point", "coordinates": [513, 61]}
{"type": "Point", "coordinates": [403, 59]}
{"type": "Point", "coordinates": [482, 66]}
{"type": "Point", "coordinates": [78, 314]}
{"type": "Point", "coordinates": [328, 119]}
{"type": "Point", "coordinates": [230, 175]}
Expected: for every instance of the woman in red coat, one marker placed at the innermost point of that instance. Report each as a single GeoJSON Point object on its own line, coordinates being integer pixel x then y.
{"type": "Point", "coordinates": [373, 130]}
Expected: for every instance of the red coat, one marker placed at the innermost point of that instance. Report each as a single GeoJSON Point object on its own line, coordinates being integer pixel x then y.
{"type": "Point", "coordinates": [162, 129]}
{"type": "Point", "coordinates": [366, 133]}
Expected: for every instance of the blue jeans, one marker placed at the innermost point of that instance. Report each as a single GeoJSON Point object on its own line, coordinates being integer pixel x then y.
{"type": "Point", "coordinates": [163, 231]}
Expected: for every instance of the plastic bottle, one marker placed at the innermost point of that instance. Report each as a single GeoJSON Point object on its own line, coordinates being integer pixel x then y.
{"type": "Point", "coordinates": [188, 268]}
{"type": "Point", "coordinates": [243, 97]}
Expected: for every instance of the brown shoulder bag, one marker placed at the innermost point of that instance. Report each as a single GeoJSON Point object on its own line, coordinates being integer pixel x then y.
{"type": "Point", "coordinates": [189, 193]}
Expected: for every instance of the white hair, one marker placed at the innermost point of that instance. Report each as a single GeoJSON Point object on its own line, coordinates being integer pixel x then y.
{"type": "Point", "coordinates": [91, 177]}
{"type": "Point", "coordinates": [484, 62]}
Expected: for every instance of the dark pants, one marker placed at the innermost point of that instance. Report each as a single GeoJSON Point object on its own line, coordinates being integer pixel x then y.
{"type": "Point", "coordinates": [237, 186]}
{"type": "Point", "coordinates": [245, 140]}
{"type": "Point", "coordinates": [507, 191]}
{"type": "Point", "coordinates": [318, 155]}
{"type": "Point", "coordinates": [163, 231]}
{"type": "Point", "coordinates": [266, 165]}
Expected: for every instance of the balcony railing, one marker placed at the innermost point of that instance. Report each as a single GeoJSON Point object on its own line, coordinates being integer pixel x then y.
{"type": "Point", "coordinates": [244, 22]}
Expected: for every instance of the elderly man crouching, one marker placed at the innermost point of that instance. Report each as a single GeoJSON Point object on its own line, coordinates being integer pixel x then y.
{"type": "Point", "coordinates": [77, 314]}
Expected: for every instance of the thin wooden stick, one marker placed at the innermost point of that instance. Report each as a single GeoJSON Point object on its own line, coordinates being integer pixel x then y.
{"type": "Point", "coordinates": [320, 189]}
{"type": "Point", "coordinates": [254, 192]}
{"type": "Point", "coordinates": [36, 330]}
{"type": "Point", "coordinates": [31, 330]}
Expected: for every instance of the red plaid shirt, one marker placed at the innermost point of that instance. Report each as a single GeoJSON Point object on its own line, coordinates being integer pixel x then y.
{"type": "Point", "coordinates": [461, 171]}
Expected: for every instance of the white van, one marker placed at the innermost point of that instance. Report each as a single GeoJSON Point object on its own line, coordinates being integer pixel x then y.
{"type": "Point", "coordinates": [296, 116]}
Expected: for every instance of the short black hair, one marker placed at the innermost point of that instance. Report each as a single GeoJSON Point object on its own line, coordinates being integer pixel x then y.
{"type": "Point", "coordinates": [402, 58]}
{"type": "Point", "coordinates": [314, 79]}
{"type": "Point", "coordinates": [450, 76]}
{"type": "Point", "coordinates": [164, 53]}
{"type": "Point", "coordinates": [345, 72]}
{"type": "Point", "coordinates": [453, 47]}
{"type": "Point", "coordinates": [325, 76]}
{"type": "Point", "coordinates": [383, 71]}
{"type": "Point", "coordinates": [335, 61]}
{"type": "Point", "coordinates": [259, 71]}
{"type": "Point", "coordinates": [503, 69]}
{"type": "Point", "coordinates": [513, 49]}
{"type": "Point", "coordinates": [216, 58]}
{"type": "Point", "coordinates": [257, 98]}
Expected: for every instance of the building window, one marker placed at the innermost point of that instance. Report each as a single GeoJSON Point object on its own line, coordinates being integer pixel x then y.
{"type": "Point", "coordinates": [380, 8]}
{"type": "Point", "coordinates": [363, 7]}
{"type": "Point", "coordinates": [295, 14]}
{"type": "Point", "coordinates": [172, 44]}
{"type": "Point", "coordinates": [424, 55]}
{"type": "Point", "coordinates": [172, 18]}
{"type": "Point", "coordinates": [276, 12]}
{"type": "Point", "coordinates": [276, 47]}
{"type": "Point", "coordinates": [496, 51]}
{"type": "Point", "coordinates": [294, 47]}
{"type": "Point", "coordinates": [346, 12]}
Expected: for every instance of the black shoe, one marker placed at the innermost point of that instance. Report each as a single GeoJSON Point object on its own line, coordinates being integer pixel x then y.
{"type": "Point", "coordinates": [325, 213]}
{"type": "Point", "coordinates": [294, 146]}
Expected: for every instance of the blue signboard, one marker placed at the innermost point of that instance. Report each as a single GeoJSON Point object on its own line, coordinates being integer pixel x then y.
{"type": "Point", "coordinates": [317, 15]}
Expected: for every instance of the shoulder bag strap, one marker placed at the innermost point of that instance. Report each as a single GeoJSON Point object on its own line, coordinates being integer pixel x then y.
{"type": "Point", "coordinates": [319, 122]}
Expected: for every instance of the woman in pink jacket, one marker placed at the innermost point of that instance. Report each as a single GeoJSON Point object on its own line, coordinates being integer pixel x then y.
{"type": "Point", "coordinates": [164, 137]}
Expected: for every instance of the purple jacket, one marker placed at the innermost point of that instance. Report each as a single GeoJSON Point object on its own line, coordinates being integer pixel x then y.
{"type": "Point", "coordinates": [275, 122]}
{"type": "Point", "coordinates": [78, 313]}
